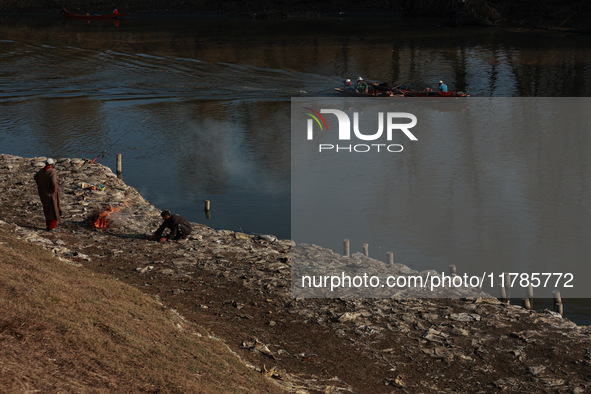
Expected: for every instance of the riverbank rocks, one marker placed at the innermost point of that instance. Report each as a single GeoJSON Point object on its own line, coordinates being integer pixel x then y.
{"type": "Point", "coordinates": [238, 287]}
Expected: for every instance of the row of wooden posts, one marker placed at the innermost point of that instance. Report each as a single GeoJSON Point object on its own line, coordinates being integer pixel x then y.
{"type": "Point", "coordinates": [527, 302]}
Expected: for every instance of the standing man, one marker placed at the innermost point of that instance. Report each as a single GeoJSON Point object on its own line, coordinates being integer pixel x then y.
{"type": "Point", "coordinates": [178, 225]}
{"type": "Point", "coordinates": [49, 192]}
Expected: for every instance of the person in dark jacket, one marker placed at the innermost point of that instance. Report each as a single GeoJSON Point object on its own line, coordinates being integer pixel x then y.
{"type": "Point", "coordinates": [178, 225]}
{"type": "Point", "coordinates": [361, 86]}
{"type": "Point", "coordinates": [49, 193]}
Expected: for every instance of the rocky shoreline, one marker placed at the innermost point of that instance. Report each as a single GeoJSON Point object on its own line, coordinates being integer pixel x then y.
{"type": "Point", "coordinates": [237, 286]}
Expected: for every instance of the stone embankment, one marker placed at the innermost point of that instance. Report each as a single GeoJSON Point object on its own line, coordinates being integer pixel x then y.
{"type": "Point", "coordinates": [237, 286]}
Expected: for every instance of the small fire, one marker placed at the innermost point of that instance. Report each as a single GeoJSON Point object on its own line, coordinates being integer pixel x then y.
{"type": "Point", "coordinates": [105, 217]}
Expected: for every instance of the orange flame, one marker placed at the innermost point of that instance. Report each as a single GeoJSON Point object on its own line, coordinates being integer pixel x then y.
{"type": "Point", "coordinates": [108, 215]}
{"type": "Point", "coordinates": [105, 217]}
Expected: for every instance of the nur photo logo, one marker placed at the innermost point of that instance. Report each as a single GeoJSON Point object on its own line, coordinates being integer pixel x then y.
{"type": "Point", "coordinates": [389, 124]}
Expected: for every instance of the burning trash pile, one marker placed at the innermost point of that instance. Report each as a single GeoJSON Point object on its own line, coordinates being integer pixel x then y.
{"type": "Point", "coordinates": [106, 218]}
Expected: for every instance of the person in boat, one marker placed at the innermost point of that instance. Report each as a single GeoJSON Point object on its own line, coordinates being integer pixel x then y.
{"type": "Point", "coordinates": [179, 227]}
{"type": "Point", "coordinates": [115, 11]}
{"type": "Point", "coordinates": [49, 193]}
{"type": "Point", "coordinates": [442, 87]}
{"type": "Point", "coordinates": [348, 85]}
{"type": "Point", "coordinates": [361, 86]}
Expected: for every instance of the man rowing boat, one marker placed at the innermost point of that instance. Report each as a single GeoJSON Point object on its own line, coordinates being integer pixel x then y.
{"type": "Point", "coordinates": [361, 86]}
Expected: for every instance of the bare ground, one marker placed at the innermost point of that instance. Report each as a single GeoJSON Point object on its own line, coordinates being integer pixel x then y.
{"type": "Point", "coordinates": [237, 286]}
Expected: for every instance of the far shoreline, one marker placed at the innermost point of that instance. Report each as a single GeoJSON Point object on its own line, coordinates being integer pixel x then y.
{"type": "Point", "coordinates": [437, 21]}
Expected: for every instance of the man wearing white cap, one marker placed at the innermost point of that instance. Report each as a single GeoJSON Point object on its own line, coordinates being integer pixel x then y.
{"type": "Point", "coordinates": [49, 192]}
{"type": "Point", "coordinates": [361, 86]}
{"type": "Point", "coordinates": [442, 87]}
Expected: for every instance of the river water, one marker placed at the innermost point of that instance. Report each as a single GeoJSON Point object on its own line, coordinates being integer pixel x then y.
{"type": "Point", "coordinates": [200, 107]}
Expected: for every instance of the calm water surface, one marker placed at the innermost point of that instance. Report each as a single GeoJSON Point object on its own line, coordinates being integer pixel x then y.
{"type": "Point", "coordinates": [200, 108]}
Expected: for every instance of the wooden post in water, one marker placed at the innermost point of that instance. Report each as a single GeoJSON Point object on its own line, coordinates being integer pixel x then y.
{"type": "Point", "coordinates": [503, 294]}
{"type": "Point", "coordinates": [557, 301]}
{"type": "Point", "coordinates": [528, 301]}
{"type": "Point", "coordinates": [366, 249]}
{"type": "Point", "coordinates": [119, 172]}
{"type": "Point", "coordinates": [530, 296]}
{"type": "Point", "coordinates": [346, 248]}
{"type": "Point", "coordinates": [390, 259]}
{"type": "Point", "coordinates": [206, 209]}
{"type": "Point", "coordinates": [452, 269]}
{"type": "Point", "coordinates": [508, 286]}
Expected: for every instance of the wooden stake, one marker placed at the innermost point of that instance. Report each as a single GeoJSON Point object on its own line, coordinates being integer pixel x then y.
{"type": "Point", "coordinates": [119, 172]}
{"type": "Point", "coordinates": [503, 294]}
{"type": "Point", "coordinates": [530, 295]}
{"type": "Point", "coordinates": [508, 286]}
{"type": "Point", "coordinates": [346, 248]}
{"type": "Point", "coordinates": [557, 301]}
{"type": "Point", "coordinates": [390, 258]}
{"type": "Point", "coordinates": [366, 249]}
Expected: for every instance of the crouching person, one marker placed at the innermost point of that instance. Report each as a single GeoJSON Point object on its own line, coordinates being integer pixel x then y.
{"type": "Point", "coordinates": [179, 227]}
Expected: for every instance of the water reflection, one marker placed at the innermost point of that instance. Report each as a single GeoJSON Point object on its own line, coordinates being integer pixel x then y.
{"type": "Point", "coordinates": [311, 55]}
{"type": "Point", "coordinates": [212, 96]}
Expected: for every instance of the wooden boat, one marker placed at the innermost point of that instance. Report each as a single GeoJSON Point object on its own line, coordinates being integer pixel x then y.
{"type": "Point", "coordinates": [385, 90]}
{"type": "Point", "coordinates": [430, 93]}
{"type": "Point", "coordinates": [370, 93]}
{"type": "Point", "coordinates": [94, 16]}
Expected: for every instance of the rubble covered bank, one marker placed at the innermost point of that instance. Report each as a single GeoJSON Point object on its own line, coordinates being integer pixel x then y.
{"type": "Point", "coordinates": [238, 287]}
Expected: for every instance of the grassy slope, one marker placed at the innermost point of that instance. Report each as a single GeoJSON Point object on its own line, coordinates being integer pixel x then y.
{"type": "Point", "coordinates": [66, 329]}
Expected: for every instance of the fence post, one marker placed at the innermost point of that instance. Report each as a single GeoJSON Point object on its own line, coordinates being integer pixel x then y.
{"type": "Point", "coordinates": [557, 302]}
{"type": "Point", "coordinates": [366, 249]}
{"type": "Point", "coordinates": [390, 258]}
{"type": "Point", "coordinates": [119, 172]}
{"type": "Point", "coordinates": [507, 286]}
{"type": "Point", "coordinates": [503, 294]}
{"type": "Point", "coordinates": [530, 295]}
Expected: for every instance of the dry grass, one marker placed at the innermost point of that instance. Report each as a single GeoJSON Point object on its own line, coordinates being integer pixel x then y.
{"type": "Point", "coordinates": [66, 329]}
